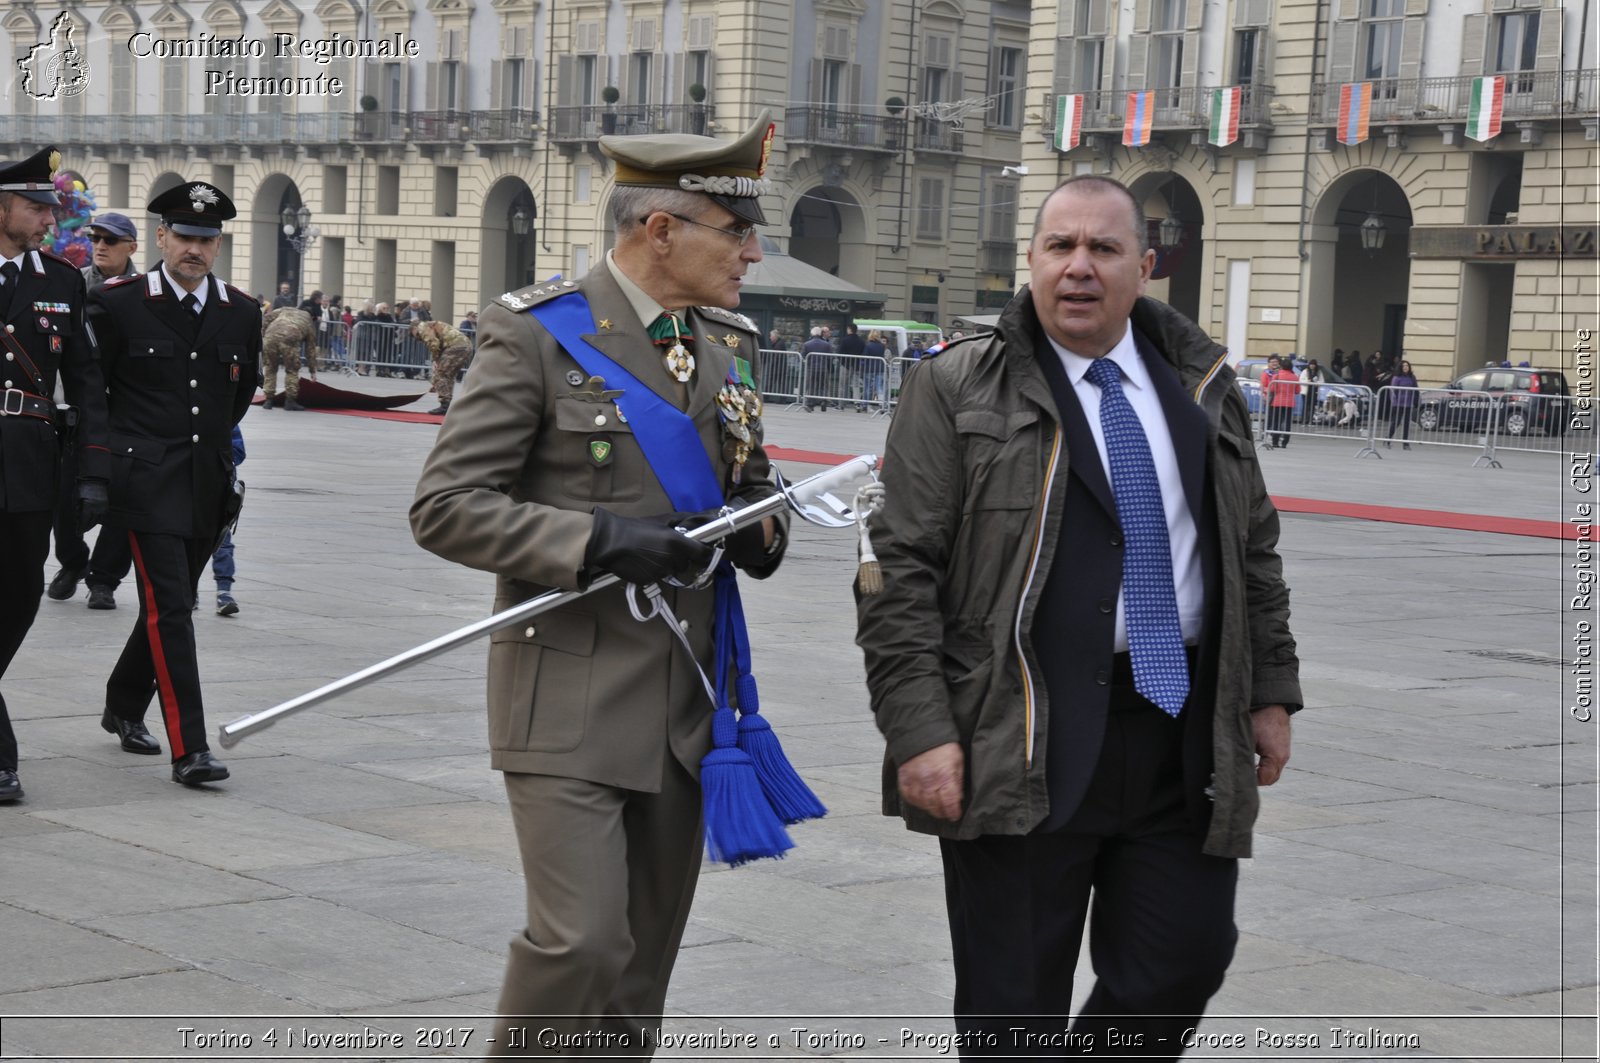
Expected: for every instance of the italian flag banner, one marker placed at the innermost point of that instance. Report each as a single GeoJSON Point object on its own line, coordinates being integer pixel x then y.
{"type": "Point", "coordinates": [1225, 105]}
{"type": "Point", "coordinates": [1488, 102]}
{"type": "Point", "coordinates": [1069, 122]}
{"type": "Point", "coordinates": [1139, 118]}
{"type": "Point", "coordinates": [1355, 108]}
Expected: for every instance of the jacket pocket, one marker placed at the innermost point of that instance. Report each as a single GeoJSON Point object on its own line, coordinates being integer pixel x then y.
{"type": "Point", "coordinates": [154, 363]}
{"type": "Point", "coordinates": [968, 662]}
{"type": "Point", "coordinates": [539, 674]}
{"type": "Point", "coordinates": [598, 456]}
{"type": "Point", "coordinates": [998, 448]}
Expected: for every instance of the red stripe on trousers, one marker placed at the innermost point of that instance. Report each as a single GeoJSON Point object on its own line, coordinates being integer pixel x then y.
{"type": "Point", "coordinates": [158, 656]}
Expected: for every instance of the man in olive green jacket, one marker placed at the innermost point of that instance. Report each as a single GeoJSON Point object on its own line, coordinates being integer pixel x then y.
{"type": "Point", "coordinates": [1014, 729]}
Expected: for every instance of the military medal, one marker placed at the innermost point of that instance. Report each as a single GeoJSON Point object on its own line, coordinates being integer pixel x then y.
{"type": "Point", "coordinates": [678, 359]}
{"type": "Point", "coordinates": [739, 407]}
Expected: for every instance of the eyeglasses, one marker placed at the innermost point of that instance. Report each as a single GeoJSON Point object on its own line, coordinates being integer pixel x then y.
{"type": "Point", "coordinates": [741, 234]}
{"type": "Point", "coordinates": [96, 238]}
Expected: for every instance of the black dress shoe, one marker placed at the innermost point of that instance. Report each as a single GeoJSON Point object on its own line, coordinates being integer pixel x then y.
{"type": "Point", "coordinates": [100, 598]}
{"type": "Point", "coordinates": [196, 768]}
{"type": "Point", "coordinates": [135, 737]}
{"type": "Point", "coordinates": [10, 786]}
{"type": "Point", "coordinates": [65, 584]}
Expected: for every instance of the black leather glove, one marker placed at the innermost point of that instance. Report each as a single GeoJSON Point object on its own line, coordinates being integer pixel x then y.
{"type": "Point", "coordinates": [643, 550]}
{"type": "Point", "coordinates": [746, 547]}
{"type": "Point", "coordinates": [93, 502]}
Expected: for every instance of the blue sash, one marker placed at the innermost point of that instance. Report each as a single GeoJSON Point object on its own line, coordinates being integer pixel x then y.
{"type": "Point", "coordinates": [672, 448]}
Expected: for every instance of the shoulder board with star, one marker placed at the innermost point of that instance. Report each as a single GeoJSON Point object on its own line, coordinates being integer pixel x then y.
{"type": "Point", "coordinates": [731, 317]}
{"type": "Point", "coordinates": [534, 294]}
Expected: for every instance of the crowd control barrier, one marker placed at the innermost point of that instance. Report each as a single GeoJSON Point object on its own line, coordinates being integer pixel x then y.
{"type": "Point", "coordinates": [1406, 418]}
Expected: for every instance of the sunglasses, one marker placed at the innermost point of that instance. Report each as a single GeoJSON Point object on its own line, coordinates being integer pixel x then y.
{"type": "Point", "coordinates": [96, 238]}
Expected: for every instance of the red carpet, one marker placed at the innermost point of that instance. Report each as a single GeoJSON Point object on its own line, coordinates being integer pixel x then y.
{"type": "Point", "coordinates": [1426, 518]}
{"type": "Point", "coordinates": [315, 395]}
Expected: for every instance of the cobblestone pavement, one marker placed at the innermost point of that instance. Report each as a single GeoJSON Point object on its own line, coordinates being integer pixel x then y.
{"type": "Point", "coordinates": [1424, 878]}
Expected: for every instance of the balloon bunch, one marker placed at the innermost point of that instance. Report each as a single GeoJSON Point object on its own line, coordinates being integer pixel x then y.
{"type": "Point", "coordinates": [66, 237]}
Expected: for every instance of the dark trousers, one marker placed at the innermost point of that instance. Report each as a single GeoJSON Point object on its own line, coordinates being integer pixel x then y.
{"type": "Point", "coordinates": [159, 657]}
{"type": "Point", "coordinates": [71, 551]}
{"type": "Point", "coordinates": [1279, 425]}
{"type": "Point", "coordinates": [1161, 929]}
{"type": "Point", "coordinates": [1400, 416]}
{"type": "Point", "coordinates": [111, 559]}
{"type": "Point", "coordinates": [24, 545]}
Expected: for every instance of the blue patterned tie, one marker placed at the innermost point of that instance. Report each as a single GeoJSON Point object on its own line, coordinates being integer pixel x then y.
{"type": "Point", "coordinates": [1155, 636]}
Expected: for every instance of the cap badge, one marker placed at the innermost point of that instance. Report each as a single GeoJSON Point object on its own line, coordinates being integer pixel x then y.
{"type": "Point", "coordinates": [201, 197]}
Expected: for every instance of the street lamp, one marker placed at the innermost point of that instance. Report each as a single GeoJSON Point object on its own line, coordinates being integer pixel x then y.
{"type": "Point", "coordinates": [1373, 230]}
{"type": "Point", "coordinates": [519, 222]}
{"type": "Point", "coordinates": [300, 233]}
{"type": "Point", "coordinates": [1170, 231]}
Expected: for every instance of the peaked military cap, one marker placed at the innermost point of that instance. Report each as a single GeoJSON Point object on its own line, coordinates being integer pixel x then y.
{"type": "Point", "coordinates": [193, 208]}
{"type": "Point", "coordinates": [34, 177]}
{"type": "Point", "coordinates": [728, 171]}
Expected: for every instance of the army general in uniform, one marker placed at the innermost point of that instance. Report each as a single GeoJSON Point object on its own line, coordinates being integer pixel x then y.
{"type": "Point", "coordinates": [41, 333]}
{"type": "Point", "coordinates": [181, 353]}
{"type": "Point", "coordinates": [598, 721]}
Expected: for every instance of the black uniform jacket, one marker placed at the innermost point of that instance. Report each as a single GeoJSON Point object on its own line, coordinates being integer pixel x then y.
{"type": "Point", "coordinates": [177, 384]}
{"type": "Point", "coordinates": [43, 335]}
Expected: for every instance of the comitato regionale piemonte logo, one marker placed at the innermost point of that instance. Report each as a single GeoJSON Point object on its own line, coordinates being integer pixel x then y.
{"type": "Point", "coordinates": [56, 68]}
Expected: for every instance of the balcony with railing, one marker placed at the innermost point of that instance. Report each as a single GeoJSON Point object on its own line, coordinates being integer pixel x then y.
{"type": "Point", "coordinates": [1180, 110]}
{"type": "Point", "coordinates": [998, 256]}
{"type": "Point", "coordinates": [936, 136]}
{"type": "Point", "coordinates": [1397, 101]}
{"type": "Point", "coordinates": [307, 128]}
{"type": "Point", "coordinates": [587, 122]}
{"type": "Point", "coordinates": [830, 127]}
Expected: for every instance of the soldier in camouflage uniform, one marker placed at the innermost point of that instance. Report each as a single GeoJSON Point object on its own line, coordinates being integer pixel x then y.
{"type": "Point", "coordinates": [286, 329]}
{"type": "Point", "coordinates": [449, 350]}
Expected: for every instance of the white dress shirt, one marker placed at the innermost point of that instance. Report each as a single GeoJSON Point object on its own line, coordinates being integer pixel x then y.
{"type": "Point", "coordinates": [1182, 535]}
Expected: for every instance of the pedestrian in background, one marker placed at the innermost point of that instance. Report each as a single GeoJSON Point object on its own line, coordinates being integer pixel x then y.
{"type": "Point", "coordinates": [1279, 389]}
{"type": "Point", "coordinates": [448, 349]}
{"type": "Point", "coordinates": [1402, 401]}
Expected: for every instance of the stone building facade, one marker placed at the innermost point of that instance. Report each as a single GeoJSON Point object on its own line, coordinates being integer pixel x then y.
{"type": "Point", "coordinates": [457, 155]}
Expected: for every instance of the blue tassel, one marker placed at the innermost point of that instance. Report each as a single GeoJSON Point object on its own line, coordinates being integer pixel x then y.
{"type": "Point", "coordinates": [740, 824]}
{"type": "Point", "coordinates": [788, 794]}
{"type": "Point", "coordinates": [790, 797]}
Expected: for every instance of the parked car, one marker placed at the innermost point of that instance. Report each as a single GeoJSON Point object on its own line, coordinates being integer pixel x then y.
{"type": "Point", "coordinates": [1522, 399]}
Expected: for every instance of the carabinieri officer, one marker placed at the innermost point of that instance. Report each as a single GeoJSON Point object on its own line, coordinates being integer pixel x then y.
{"type": "Point", "coordinates": [181, 352]}
{"type": "Point", "coordinates": [41, 333]}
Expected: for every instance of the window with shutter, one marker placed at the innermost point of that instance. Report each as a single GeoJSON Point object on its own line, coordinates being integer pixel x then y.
{"type": "Point", "coordinates": [586, 36]}
{"type": "Point", "coordinates": [701, 31]}
{"type": "Point", "coordinates": [930, 216]}
{"type": "Point", "coordinates": [122, 81]}
{"type": "Point", "coordinates": [1005, 86]}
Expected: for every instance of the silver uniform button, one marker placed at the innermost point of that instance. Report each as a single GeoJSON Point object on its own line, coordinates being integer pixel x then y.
{"type": "Point", "coordinates": [599, 418]}
{"type": "Point", "coordinates": [8, 383]}
{"type": "Point", "coordinates": [528, 634]}
{"type": "Point", "coordinates": [193, 355]}
{"type": "Point", "coordinates": [194, 409]}
{"type": "Point", "coordinates": [10, 328]}
{"type": "Point", "coordinates": [194, 383]}
{"type": "Point", "coordinates": [9, 356]}
{"type": "Point", "coordinates": [194, 439]}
